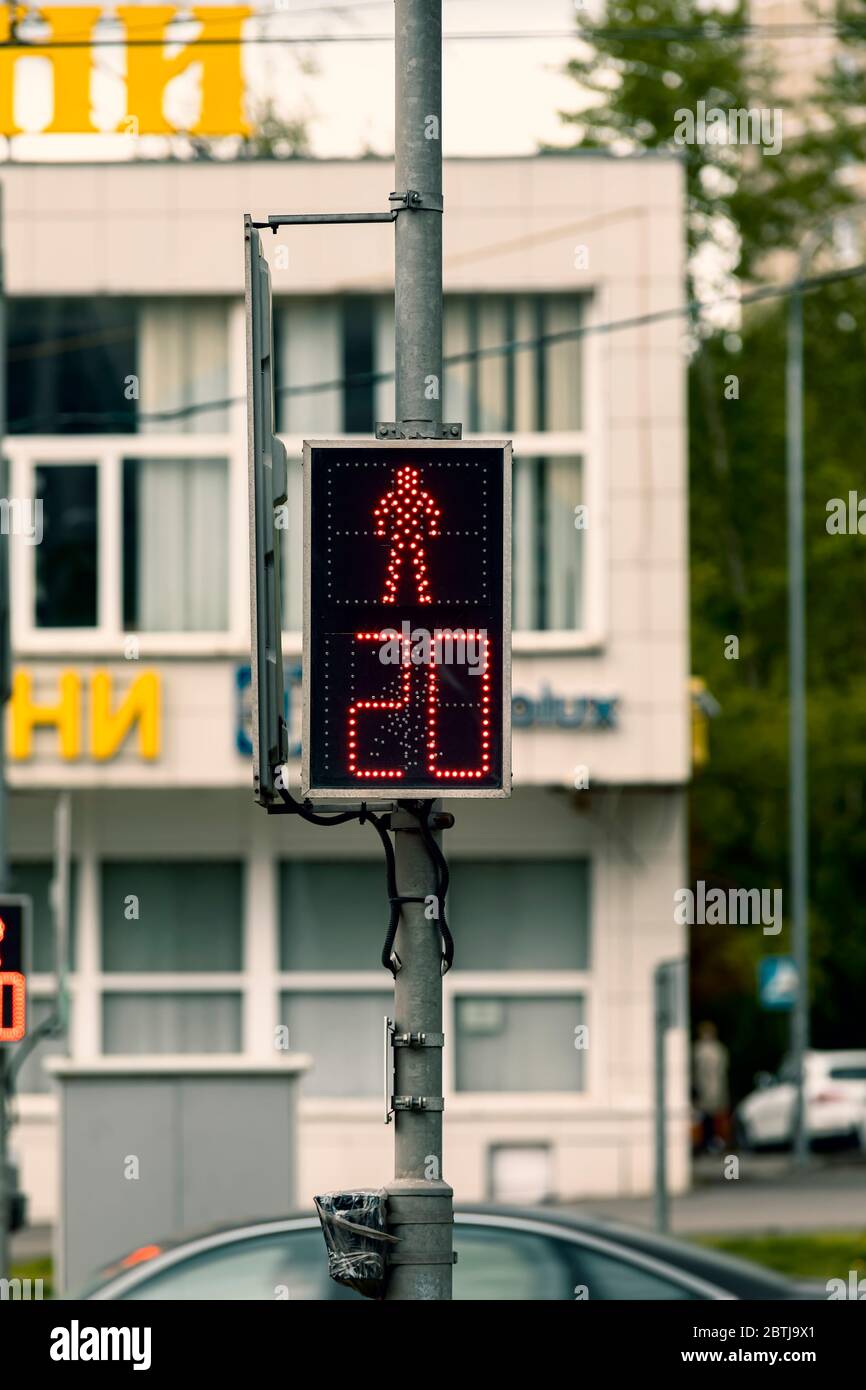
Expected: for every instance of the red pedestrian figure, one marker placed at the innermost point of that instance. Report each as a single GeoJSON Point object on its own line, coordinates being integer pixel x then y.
{"type": "Point", "coordinates": [407, 516]}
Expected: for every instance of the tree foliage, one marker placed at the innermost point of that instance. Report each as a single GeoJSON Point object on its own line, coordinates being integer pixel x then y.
{"type": "Point", "coordinates": [634, 78]}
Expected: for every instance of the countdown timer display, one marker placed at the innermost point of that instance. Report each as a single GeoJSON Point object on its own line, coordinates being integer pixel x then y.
{"type": "Point", "coordinates": [14, 942]}
{"type": "Point", "coordinates": [407, 623]}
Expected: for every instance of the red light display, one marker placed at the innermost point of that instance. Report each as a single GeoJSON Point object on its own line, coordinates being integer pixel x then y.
{"type": "Point", "coordinates": [407, 632]}
{"type": "Point", "coordinates": [406, 516]}
{"type": "Point", "coordinates": [13, 980]}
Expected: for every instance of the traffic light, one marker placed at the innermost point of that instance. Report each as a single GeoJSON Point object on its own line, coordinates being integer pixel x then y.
{"type": "Point", "coordinates": [407, 619]}
{"type": "Point", "coordinates": [268, 482]}
{"type": "Point", "coordinates": [15, 918]}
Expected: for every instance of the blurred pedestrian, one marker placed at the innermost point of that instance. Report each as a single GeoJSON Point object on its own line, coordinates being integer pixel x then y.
{"type": "Point", "coordinates": [710, 1079]}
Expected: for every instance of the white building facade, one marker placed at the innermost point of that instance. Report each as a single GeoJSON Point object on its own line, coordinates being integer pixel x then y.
{"type": "Point", "coordinates": [201, 925]}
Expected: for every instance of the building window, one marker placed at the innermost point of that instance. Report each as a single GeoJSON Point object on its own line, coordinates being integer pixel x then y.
{"type": "Point", "coordinates": [171, 917]}
{"type": "Point", "coordinates": [358, 363]}
{"type": "Point", "coordinates": [523, 372]}
{"type": "Point", "coordinates": [69, 363]}
{"type": "Point", "coordinates": [508, 918]}
{"type": "Point", "coordinates": [332, 916]}
{"type": "Point", "coordinates": [34, 879]}
{"type": "Point", "coordinates": [175, 542]}
{"type": "Point", "coordinates": [106, 365]}
{"type": "Point", "coordinates": [511, 1043]}
{"type": "Point", "coordinates": [67, 557]}
{"type": "Point", "coordinates": [537, 386]}
{"type": "Point", "coordinates": [343, 1033]}
{"type": "Point", "coordinates": [143, 1023]}
{"type": "Point", "coordinates": [520, 915]}
{"type": "Point", "coordinates": [548, 545]}
{"type": "Point", "coordinates": [292, 554]}
{"type": "Point", "coordinates": [183, 350]}
{"type": "Point", "coordinates": [308, 355]}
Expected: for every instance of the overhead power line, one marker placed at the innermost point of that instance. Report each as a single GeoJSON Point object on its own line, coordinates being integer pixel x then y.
{"type": "Point", "coordinates": [705, 33]}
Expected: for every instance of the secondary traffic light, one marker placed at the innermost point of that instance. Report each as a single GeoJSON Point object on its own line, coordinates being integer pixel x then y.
{"type": "Point", "coordinates": [15, 916]}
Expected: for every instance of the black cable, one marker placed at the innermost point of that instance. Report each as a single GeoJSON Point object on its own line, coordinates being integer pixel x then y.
{"type": "Point", "coordinates": [302, 809]}
{"type": "Point", "coordinates": [390, 959]}
{"type": "Point", "coordinates": [421, 812]}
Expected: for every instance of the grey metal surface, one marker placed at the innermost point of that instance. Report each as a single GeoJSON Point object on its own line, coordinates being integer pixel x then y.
{"type": "Point", "coordinates": [418, 1188]}
{"type": "Point", "coordinates": [420, 1205]}
{"type": "Point", "coordinates": [418, 233]}
{"type": "Point", "coordinates": [268, 484]}
{"type": "Point", "coordinates": [208, 1149]}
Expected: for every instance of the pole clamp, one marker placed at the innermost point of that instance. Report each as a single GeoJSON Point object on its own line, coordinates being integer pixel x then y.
{"type": "Point", "coordinates": [414, 201]}
{"type": "Point", "coordinates": [417, 429]}
{"type": "Point", "coordinates": [417, 1103]}
{"type": "Point", "coordinates": [418, 1040]}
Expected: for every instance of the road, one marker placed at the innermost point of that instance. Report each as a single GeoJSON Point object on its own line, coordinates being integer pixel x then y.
{"type": "Point", "coordinates": [767, 1197]}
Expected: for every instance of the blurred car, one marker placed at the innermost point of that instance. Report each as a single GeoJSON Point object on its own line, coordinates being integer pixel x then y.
{"type": "Point", "coordinates": [835, 1094]}
{"type": "Point", "coordinates": [502, 1255]}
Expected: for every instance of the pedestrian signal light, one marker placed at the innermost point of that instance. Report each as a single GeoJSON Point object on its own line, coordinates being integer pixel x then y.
{"type": "Point", "coordinates": [407, 584]}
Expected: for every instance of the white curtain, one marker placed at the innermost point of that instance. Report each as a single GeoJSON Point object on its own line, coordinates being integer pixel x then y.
{"type": "Point", "coordinates": [564, 543]}
{"type": "Point", "coordinates": [292, 555]}
{"type": "Point", "coordinates": [563, 374]}
{"type": "Point", "coordinates": [182, 578]}
{"type": "Point", "coordinates": [145, 1023]}
{"type": "Point", "coordinates": [493, 370]}
{"type": "Point", "coordinates": [383, 359]}
{"type": "Point", "coordinates": [310, 344]}
{"type": "Point", "coordinates": [455, 335]}
{"type": "Point", "coordinates": [183, 361]}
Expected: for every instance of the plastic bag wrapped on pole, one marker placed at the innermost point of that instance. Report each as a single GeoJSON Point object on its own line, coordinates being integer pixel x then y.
{"type": "Point", "coordinates": [354, 1226]}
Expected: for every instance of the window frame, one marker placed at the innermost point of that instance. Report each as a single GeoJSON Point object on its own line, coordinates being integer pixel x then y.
{"type": "Point", "coordinates": [27, 451]}
{"type": "Point", "coordinates": [519, 984]}
{"type": "Point", "coordinates": [108, 453]}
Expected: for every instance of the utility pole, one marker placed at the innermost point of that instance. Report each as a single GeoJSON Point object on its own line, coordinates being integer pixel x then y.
{"type": "Point", "coordinates": [797, 754]}
{"type": "Point", "coordinates": [420, 1202]}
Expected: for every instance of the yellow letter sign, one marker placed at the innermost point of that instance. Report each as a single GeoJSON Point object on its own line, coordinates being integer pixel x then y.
{"type": "Point", "coordinates": [216, 51]}
{"type": "Point", "coordinates": [109, 728]}
{"type": "Point", "coordinates": [148, 71]}
{"type": "Point", "coordinates": [70, 67]}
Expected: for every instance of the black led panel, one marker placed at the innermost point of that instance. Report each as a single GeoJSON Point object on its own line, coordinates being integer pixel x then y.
{"type": "Point", "coordinates": [407, 622]}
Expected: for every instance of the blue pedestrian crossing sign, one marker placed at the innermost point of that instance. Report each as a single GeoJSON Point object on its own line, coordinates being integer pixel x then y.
{"type": "Point", "coordinates": [777, 982]}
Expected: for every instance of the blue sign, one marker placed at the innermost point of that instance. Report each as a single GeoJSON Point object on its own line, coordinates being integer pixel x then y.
{"type": "Point", "coordinates": [563, 712]}
{"type": "Point", "coordinates": [777, 982]}
{"type": "Point", "coordinates": [243, 691]}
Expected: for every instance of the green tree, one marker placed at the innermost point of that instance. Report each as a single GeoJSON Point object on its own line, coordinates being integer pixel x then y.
{"type": "Point", "coordinates": [639, 69]}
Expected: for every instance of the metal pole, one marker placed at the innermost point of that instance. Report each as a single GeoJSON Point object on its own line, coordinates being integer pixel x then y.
{"type": "Point", "coordinates": [660, 1026]}
{"type": "Point", "coordinates": [420, 1202]}
{"type": "Point", "coordinates": [798, 803]}
{"type": "Point", "coordinates": [418, 233]}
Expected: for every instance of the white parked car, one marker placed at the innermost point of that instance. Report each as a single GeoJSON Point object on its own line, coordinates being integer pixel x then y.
{"type": "Point", "coordinates": [835, 1102]}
